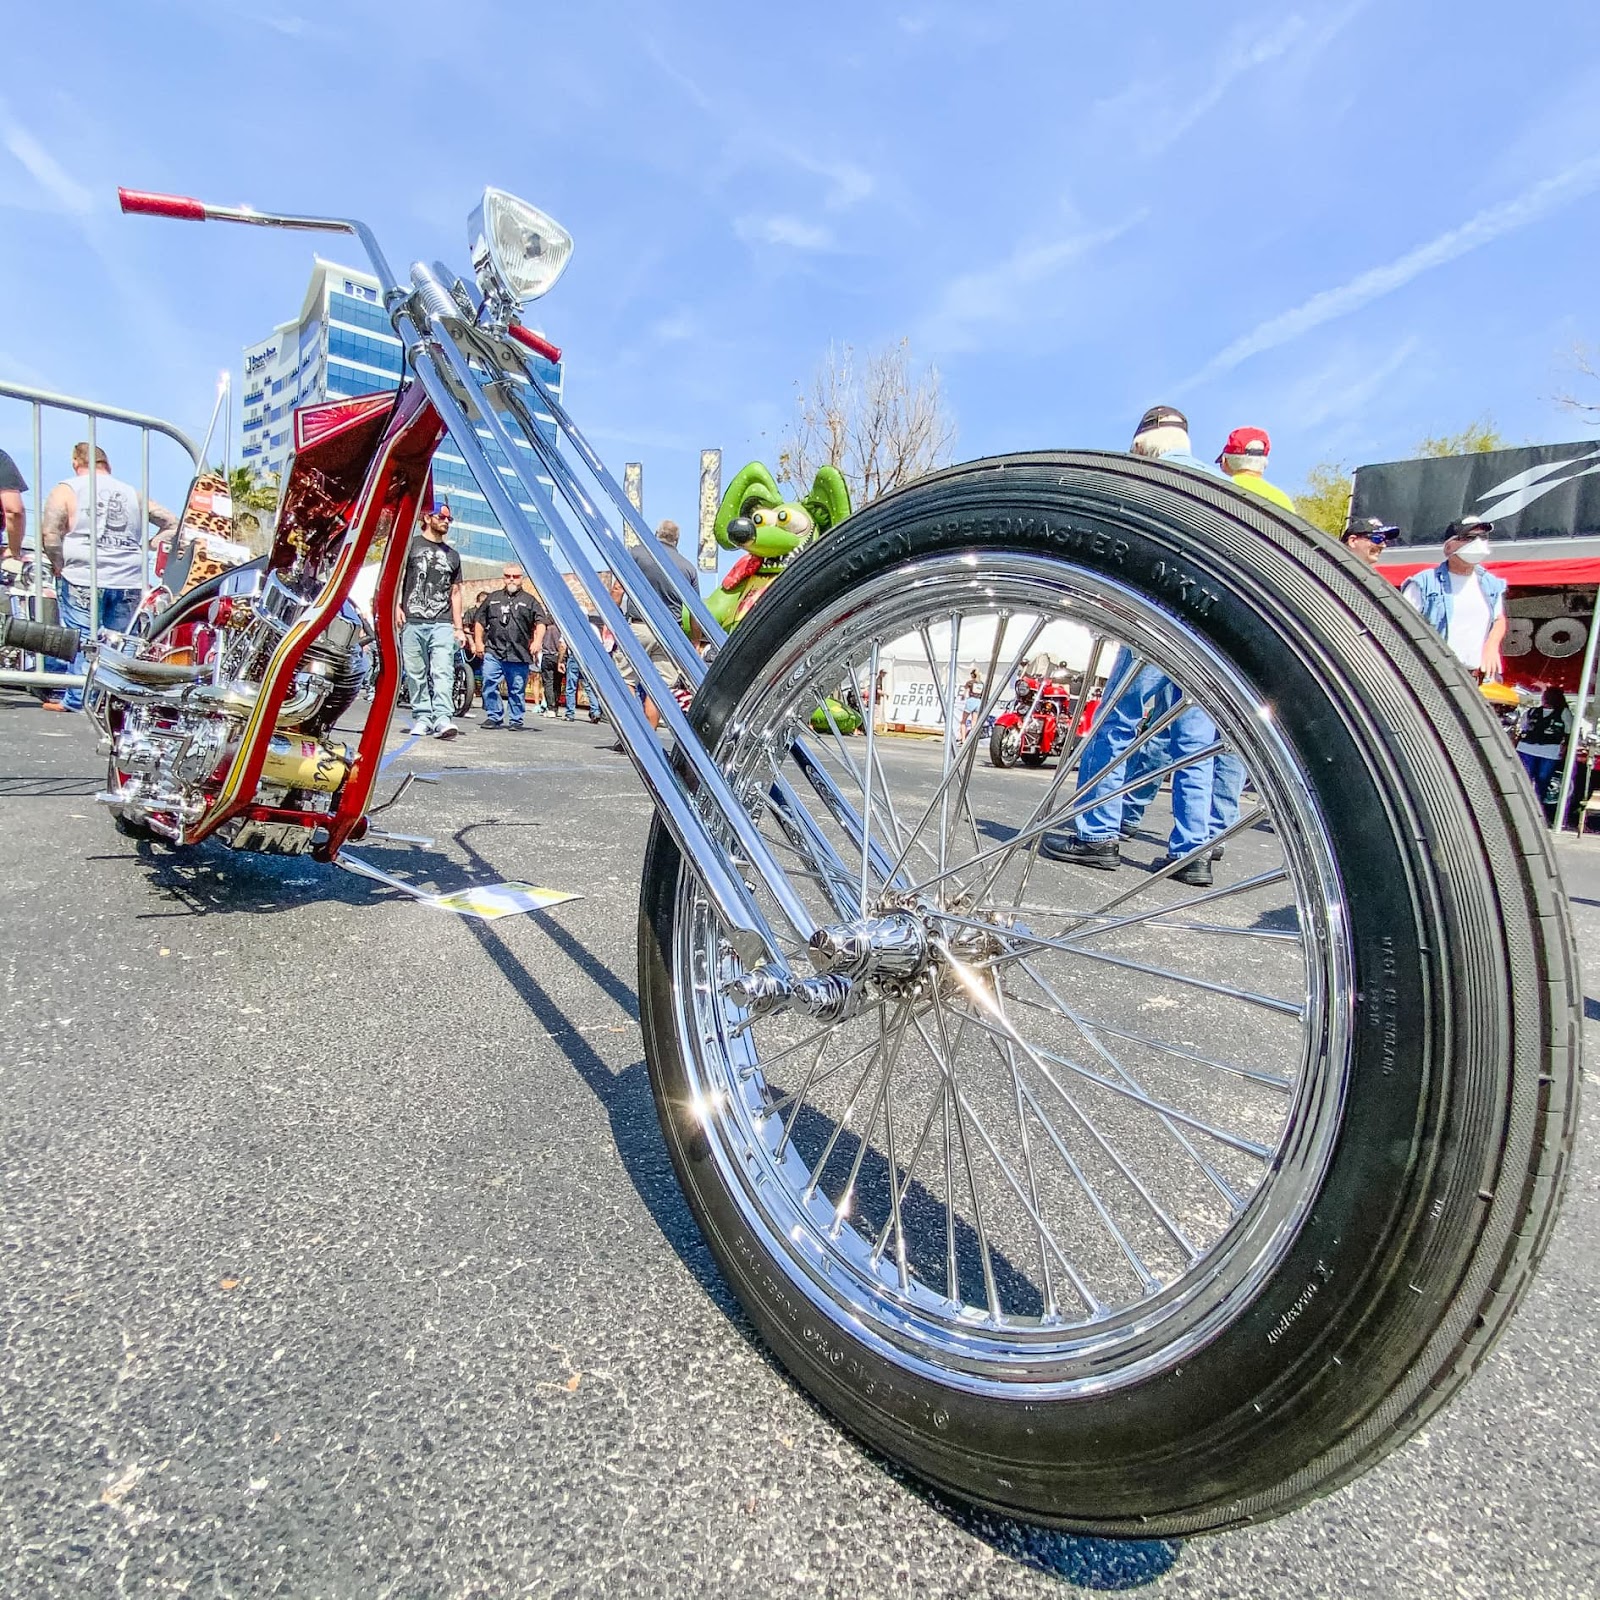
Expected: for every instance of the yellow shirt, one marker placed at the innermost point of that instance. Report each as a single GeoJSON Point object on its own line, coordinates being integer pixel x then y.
{"type": "Point", "coordinates": [1254, 483]}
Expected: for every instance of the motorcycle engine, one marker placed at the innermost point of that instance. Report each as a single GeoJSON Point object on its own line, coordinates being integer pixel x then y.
{"type": "Point", "coordinates": [174, 739]}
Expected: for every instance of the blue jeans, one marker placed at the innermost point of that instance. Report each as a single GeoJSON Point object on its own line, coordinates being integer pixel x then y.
{"type": "Point", "coordinates": [1227, 782]}
{"type": "Point", "coordinates": [1540, 770]}
{"type": "Point", "coordinates": [573, 677]}
{"type": "Point", "coordinates": [428, 653]}
{"type": "Point", "coordinates": [117, 607]}
{"type": "Point", "coordinates": [1147, 758]}
{"type": "Point", "coordinates": [1152, 693]}
{"type": "Point", "coordinates": [514, 674]}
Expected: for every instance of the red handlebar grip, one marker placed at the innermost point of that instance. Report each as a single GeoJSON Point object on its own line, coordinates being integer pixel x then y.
{"type": "Point", "coordinates": [536, 342]}
{"type": "Point", "coordinates": [177, 206]}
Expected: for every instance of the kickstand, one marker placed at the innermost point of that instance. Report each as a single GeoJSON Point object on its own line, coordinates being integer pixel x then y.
{"type": "Point", "coordinates": [398, 838]}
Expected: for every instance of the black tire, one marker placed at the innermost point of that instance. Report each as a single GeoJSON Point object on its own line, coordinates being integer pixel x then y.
{"type": "Point", "coordinates": [1034, 758]}
{"type": "Point", "coordinates": [461, 689]}
{"type": "Point", "coordinates": [1452, 1146]}
{"type": "Point", "coordinates": [1005, 746]}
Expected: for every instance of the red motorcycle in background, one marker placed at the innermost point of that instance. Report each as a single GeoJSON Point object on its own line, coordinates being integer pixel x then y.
{"type": "Point", "coordinates": [1083, 1207]}
{"type": "Point", "coordinates": [1036, 725]}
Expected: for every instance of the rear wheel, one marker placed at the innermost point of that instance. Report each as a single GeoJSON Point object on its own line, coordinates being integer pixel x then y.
{"type": "Point", "coordinates": [1146, 1205]}
{"type": "Point", "coordinates": [461, 689]}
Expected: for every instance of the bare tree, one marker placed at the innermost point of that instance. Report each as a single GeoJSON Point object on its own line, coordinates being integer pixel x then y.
{"type": "Point", "coordinates": [1587, 363]}
{"type": "Point", "coordinates": [883, 423]}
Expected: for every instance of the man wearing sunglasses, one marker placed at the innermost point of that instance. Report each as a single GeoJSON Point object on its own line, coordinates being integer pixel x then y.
{"type": "Point", "coordinates": [1367, 537]}
{"type": "Point", "coordinates": [430, 623]}
{"type": "Point", "coordinates": [509, 632]}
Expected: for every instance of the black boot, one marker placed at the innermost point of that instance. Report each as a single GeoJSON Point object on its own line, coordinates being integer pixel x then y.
{"type": "Point", "coordinates": [1197, 872]}
{"type": "Point", "coordinates": [1103, 854]}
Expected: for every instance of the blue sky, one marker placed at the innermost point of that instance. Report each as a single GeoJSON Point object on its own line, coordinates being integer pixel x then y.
{"type": "Point", "coordinates": [1352, 224]}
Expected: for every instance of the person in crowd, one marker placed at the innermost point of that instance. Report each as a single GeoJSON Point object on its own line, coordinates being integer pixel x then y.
{"type": "Point", "coordinates": [667, 535]}
{"type": "Point", "coordinates": [509, 635]}
{"type": "Point", "coordinates": [1163, 435]}
{"type": "Point", "coordinates": [112, 556]}
{"type": "Point", "coordinates": [13, 513]}
{"type": "Point", "coordinates": [429, 614]}
{"type": "Point", "coordinates": [1462, 602]}
{"type": "Point", "coordinates": [552, 652]}
{"type": "Point", "coordinates": [1132, 698]}
{"type": "Point", "coordinates": [1244, 459]}
{"type": "Point", "coordinates": [971, 702]}
{"type": "Point", "coordinates": [1366, 538]}
{"type": "Point", "coordinates": [665, 667]}
{"type": "Point", "coordinates": [1542, 738]}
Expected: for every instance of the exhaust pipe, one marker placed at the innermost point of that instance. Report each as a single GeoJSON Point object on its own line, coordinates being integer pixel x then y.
{"type": "Point", "coordinates": [38, 638]}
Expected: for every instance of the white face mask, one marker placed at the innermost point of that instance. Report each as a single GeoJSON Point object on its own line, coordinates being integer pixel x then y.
{"type": "Point", "coordinates": [1473, 551]}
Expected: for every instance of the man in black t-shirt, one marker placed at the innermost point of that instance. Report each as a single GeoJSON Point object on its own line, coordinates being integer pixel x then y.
{"type": "Point", "coordinates": [509, 632]}
{"type": "Point", "coordinates": [13, 514]}
{"type": "Point", "coordinates": [430, 623]}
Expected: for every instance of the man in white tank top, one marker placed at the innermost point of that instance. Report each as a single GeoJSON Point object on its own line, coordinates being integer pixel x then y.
{"type": "Point", "coordinates": [93, 531]}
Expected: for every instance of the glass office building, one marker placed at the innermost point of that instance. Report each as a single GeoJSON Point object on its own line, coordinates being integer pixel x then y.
{"type": "Point", "coordinates": [341, 344]}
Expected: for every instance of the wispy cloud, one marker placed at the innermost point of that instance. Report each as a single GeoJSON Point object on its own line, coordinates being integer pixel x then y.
{"type": "Point", "coordinates": [63, 192]}
{"type": "Point", "coordinates": [998, 294]}
{"type": "Point", "coordinates": [785, 232]}
{"type": "Point", "coordinates": [1548, 195]}
{"type": "Point", "coordinates": [1161, 118]}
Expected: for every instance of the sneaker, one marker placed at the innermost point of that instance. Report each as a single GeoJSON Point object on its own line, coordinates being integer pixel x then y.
{"type": "Point", "coordinates": [516, 727]}
{"type": "Point", "coordinates": [1103, 854]}
{"type": "Point", "coordinates": [572, 716]}
{"type": "Point", "coordinates": [594, 716]}
{"type": "Point", "coordinates": [421, 728]}
{"type": "Point", "coordinates": [489, 725]}
{"type": "Point", "coordinates": [1129, 830]}
{"type": "Point", "coordinates": [1218, 851]}
{"type": "Point", "coordinates": [54, 705]}
{"type": "Point", "coordinates": [446, 730]}
{"type": "Point", "coordinates": [1197, 873]}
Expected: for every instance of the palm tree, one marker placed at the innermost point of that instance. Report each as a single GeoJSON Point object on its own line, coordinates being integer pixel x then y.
{"type": "Point", "coordinates": [252, 491]}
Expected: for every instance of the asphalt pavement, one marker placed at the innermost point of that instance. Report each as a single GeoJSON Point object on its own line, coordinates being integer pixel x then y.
{"type": "Point", "coordinates": [342, 1256]}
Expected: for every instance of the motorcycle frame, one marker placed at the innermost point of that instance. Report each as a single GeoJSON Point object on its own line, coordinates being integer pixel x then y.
{"type": "Point", "coordinates": [461, 363]}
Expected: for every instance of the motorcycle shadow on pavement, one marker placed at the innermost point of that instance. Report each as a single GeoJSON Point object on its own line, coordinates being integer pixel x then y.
{"type": "Point", "coordinates": [624, 1096]}
{"type": "Point", "coordinates": [209, 878]}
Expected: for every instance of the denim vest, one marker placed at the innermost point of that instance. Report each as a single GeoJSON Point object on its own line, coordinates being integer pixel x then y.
{"type": "Point", "coordinates": [1436, 597]}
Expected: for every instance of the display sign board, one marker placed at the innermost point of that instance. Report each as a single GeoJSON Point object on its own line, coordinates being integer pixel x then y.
{"type": "Point", "coordinates": [1546, 491]}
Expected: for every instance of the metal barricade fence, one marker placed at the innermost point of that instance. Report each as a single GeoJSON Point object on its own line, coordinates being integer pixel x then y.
{"type": "Point", "coordinates": [39, 593]}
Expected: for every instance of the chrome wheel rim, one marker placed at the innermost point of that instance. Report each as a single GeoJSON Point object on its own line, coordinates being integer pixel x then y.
{"type": "Point", "coordinates": [1069, 1152]}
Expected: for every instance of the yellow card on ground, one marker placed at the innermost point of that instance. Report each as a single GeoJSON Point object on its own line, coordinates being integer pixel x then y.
{"type": "Point", "coordinates": [491, 900]}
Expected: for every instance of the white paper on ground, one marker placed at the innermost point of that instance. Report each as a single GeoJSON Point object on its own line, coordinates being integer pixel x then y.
{"type": "Point", "coordinates": [491, 900]}
{"type": "Point", "coordinates": [487, 900]}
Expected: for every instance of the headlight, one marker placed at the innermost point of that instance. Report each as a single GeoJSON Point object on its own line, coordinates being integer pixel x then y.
{"type": "Point", "coordinates": [517, 251]}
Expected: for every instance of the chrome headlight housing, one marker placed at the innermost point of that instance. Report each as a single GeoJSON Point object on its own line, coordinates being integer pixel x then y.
{"type": "Point", "coordinates": [518, 251]}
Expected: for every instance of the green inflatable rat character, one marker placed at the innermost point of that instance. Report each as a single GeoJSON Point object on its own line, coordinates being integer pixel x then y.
{"type": "Point", "coordinates": [754, 517]}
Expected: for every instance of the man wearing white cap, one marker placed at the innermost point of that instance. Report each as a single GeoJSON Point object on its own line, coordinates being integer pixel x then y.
{"type": "Point", "coordinates": [1462, 602]}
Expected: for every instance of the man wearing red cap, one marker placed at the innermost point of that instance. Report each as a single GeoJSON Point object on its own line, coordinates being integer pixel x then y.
{"type": "Point", "coordinates": [1244, 459]}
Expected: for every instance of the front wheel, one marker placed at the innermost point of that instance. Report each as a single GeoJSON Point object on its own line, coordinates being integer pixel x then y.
{"type": "Point", "coordinates": [461, 689]}
{"type": "Point", "coordinates": [1165, 1192]}
{"type": "Point", "coordinates": [1005, 745]}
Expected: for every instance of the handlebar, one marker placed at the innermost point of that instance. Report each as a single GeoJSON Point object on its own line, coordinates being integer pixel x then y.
{"type": "Point", "coordinates": [141, 202]}
{"type": "Point", "coordinates": [536, 342]}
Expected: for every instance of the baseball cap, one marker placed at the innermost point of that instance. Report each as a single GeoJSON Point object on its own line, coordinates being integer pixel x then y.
{"type": "Point", "coordinates": [1466, 525]}
{"type": "Point", "coordinates": [1162, 417]}
{"type": "Point", "coordinates": [1373, 528]}
{"type": "Point", "coordinates": [1247, 442]}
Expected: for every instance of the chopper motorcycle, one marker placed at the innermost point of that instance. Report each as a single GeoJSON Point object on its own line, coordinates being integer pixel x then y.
{"type": "Point", "coordinates": [1092, 1199]}
{"type": "Point", "coordinates": [1036, 722]}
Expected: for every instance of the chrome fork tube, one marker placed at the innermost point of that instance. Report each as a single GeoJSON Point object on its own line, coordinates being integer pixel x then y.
{"type": "Point", "coordinates": [629, 512]}
{"type": "Point", "coordinates": [749, 930]}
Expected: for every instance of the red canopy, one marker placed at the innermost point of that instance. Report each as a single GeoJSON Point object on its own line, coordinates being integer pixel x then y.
{"type": "Point", "coordinates": [1521, 574]}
